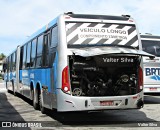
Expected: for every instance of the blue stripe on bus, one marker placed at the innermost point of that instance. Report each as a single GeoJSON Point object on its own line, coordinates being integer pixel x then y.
{"type": "Point", "coordinates": [41, 76]}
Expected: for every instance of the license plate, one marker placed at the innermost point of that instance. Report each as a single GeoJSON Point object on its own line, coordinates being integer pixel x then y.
{"type": "Point", "coordinates": [153, 89]}
{"type": "Point", "coordinates": [106, 103]}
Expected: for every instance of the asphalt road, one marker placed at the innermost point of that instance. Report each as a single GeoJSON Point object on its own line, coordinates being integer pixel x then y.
{"type": "Point", "coordinates": [19, 111]}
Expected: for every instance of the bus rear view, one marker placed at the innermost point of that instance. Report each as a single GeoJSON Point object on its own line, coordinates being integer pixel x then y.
{"type": "Point", "coordinates": [103, 63]}
{"type": "Point", "coordinates": [151, 44]}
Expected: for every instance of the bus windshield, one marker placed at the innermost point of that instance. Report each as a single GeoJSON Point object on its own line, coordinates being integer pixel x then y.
{"type": "Point", "coordinates": [152, 47]}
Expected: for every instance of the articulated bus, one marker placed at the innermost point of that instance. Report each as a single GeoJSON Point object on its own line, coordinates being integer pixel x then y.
{"type": "Point", "coordinates": [151, 44]}
{"type": "Point", "coordinates": [80, 62]}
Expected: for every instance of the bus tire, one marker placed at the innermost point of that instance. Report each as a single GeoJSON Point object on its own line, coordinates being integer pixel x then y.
{"type": "Point", "coordinates": [35, 105]}
{"type": "Point", "coordinates": [42, 109]}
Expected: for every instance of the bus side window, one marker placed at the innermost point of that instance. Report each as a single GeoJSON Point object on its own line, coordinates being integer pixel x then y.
{"type": "Point", "coordinates": [52, 57]}
{"type": "Point", "coordinates": [24, 57]}
{"type": "Point", "coordinates": [33, 53]}
{"type": "Point", "coordinates": [11, 67]}
{"type": "Point", "coordinates": [54, 38]}
{"type": "Point", "coordinates": [53, 46]}
{"type": "Point", "coordinates": [21, 58]}
{"type": "Point", "coordinates": [28, 55]}
{"type": "Point", "coordinates": [13, 62]}
{"type": "Point", "coordinates": [39, 51]}
{"type": "Point", "coordinates": [46, 46]}
{"type": "Point", "coordinates": [10, 63]}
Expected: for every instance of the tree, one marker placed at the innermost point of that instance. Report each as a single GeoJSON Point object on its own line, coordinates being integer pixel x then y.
{"type": "Point", "coordinates": [2, 56]}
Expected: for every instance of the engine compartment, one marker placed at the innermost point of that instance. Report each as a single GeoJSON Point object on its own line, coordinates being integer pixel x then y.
{"type": "Point", "coordinates": [104, 75]}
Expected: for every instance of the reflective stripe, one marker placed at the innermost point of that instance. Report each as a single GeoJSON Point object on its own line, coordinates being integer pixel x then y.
{"type": "Point", "coordinates": [73, 30]}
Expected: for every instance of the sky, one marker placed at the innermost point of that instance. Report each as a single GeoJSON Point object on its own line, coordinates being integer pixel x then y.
{"type": "Point", "coordinates": [19, 19]}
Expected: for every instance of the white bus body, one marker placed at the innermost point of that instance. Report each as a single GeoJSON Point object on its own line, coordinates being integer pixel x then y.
{"type": "Point", "coordinates": [151, 44]}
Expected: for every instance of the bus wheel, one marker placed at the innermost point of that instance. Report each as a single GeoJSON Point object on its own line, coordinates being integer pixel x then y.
{"type": "Point", "coordinates": [41, 104]}
{"type": "Point", "coordinates": [35, 105]}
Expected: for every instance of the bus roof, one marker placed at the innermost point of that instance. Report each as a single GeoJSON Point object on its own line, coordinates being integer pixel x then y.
{"type": "Point", "coordinates": [150, 37]}
{"type": "Point", "coordinates": [104, 17]}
